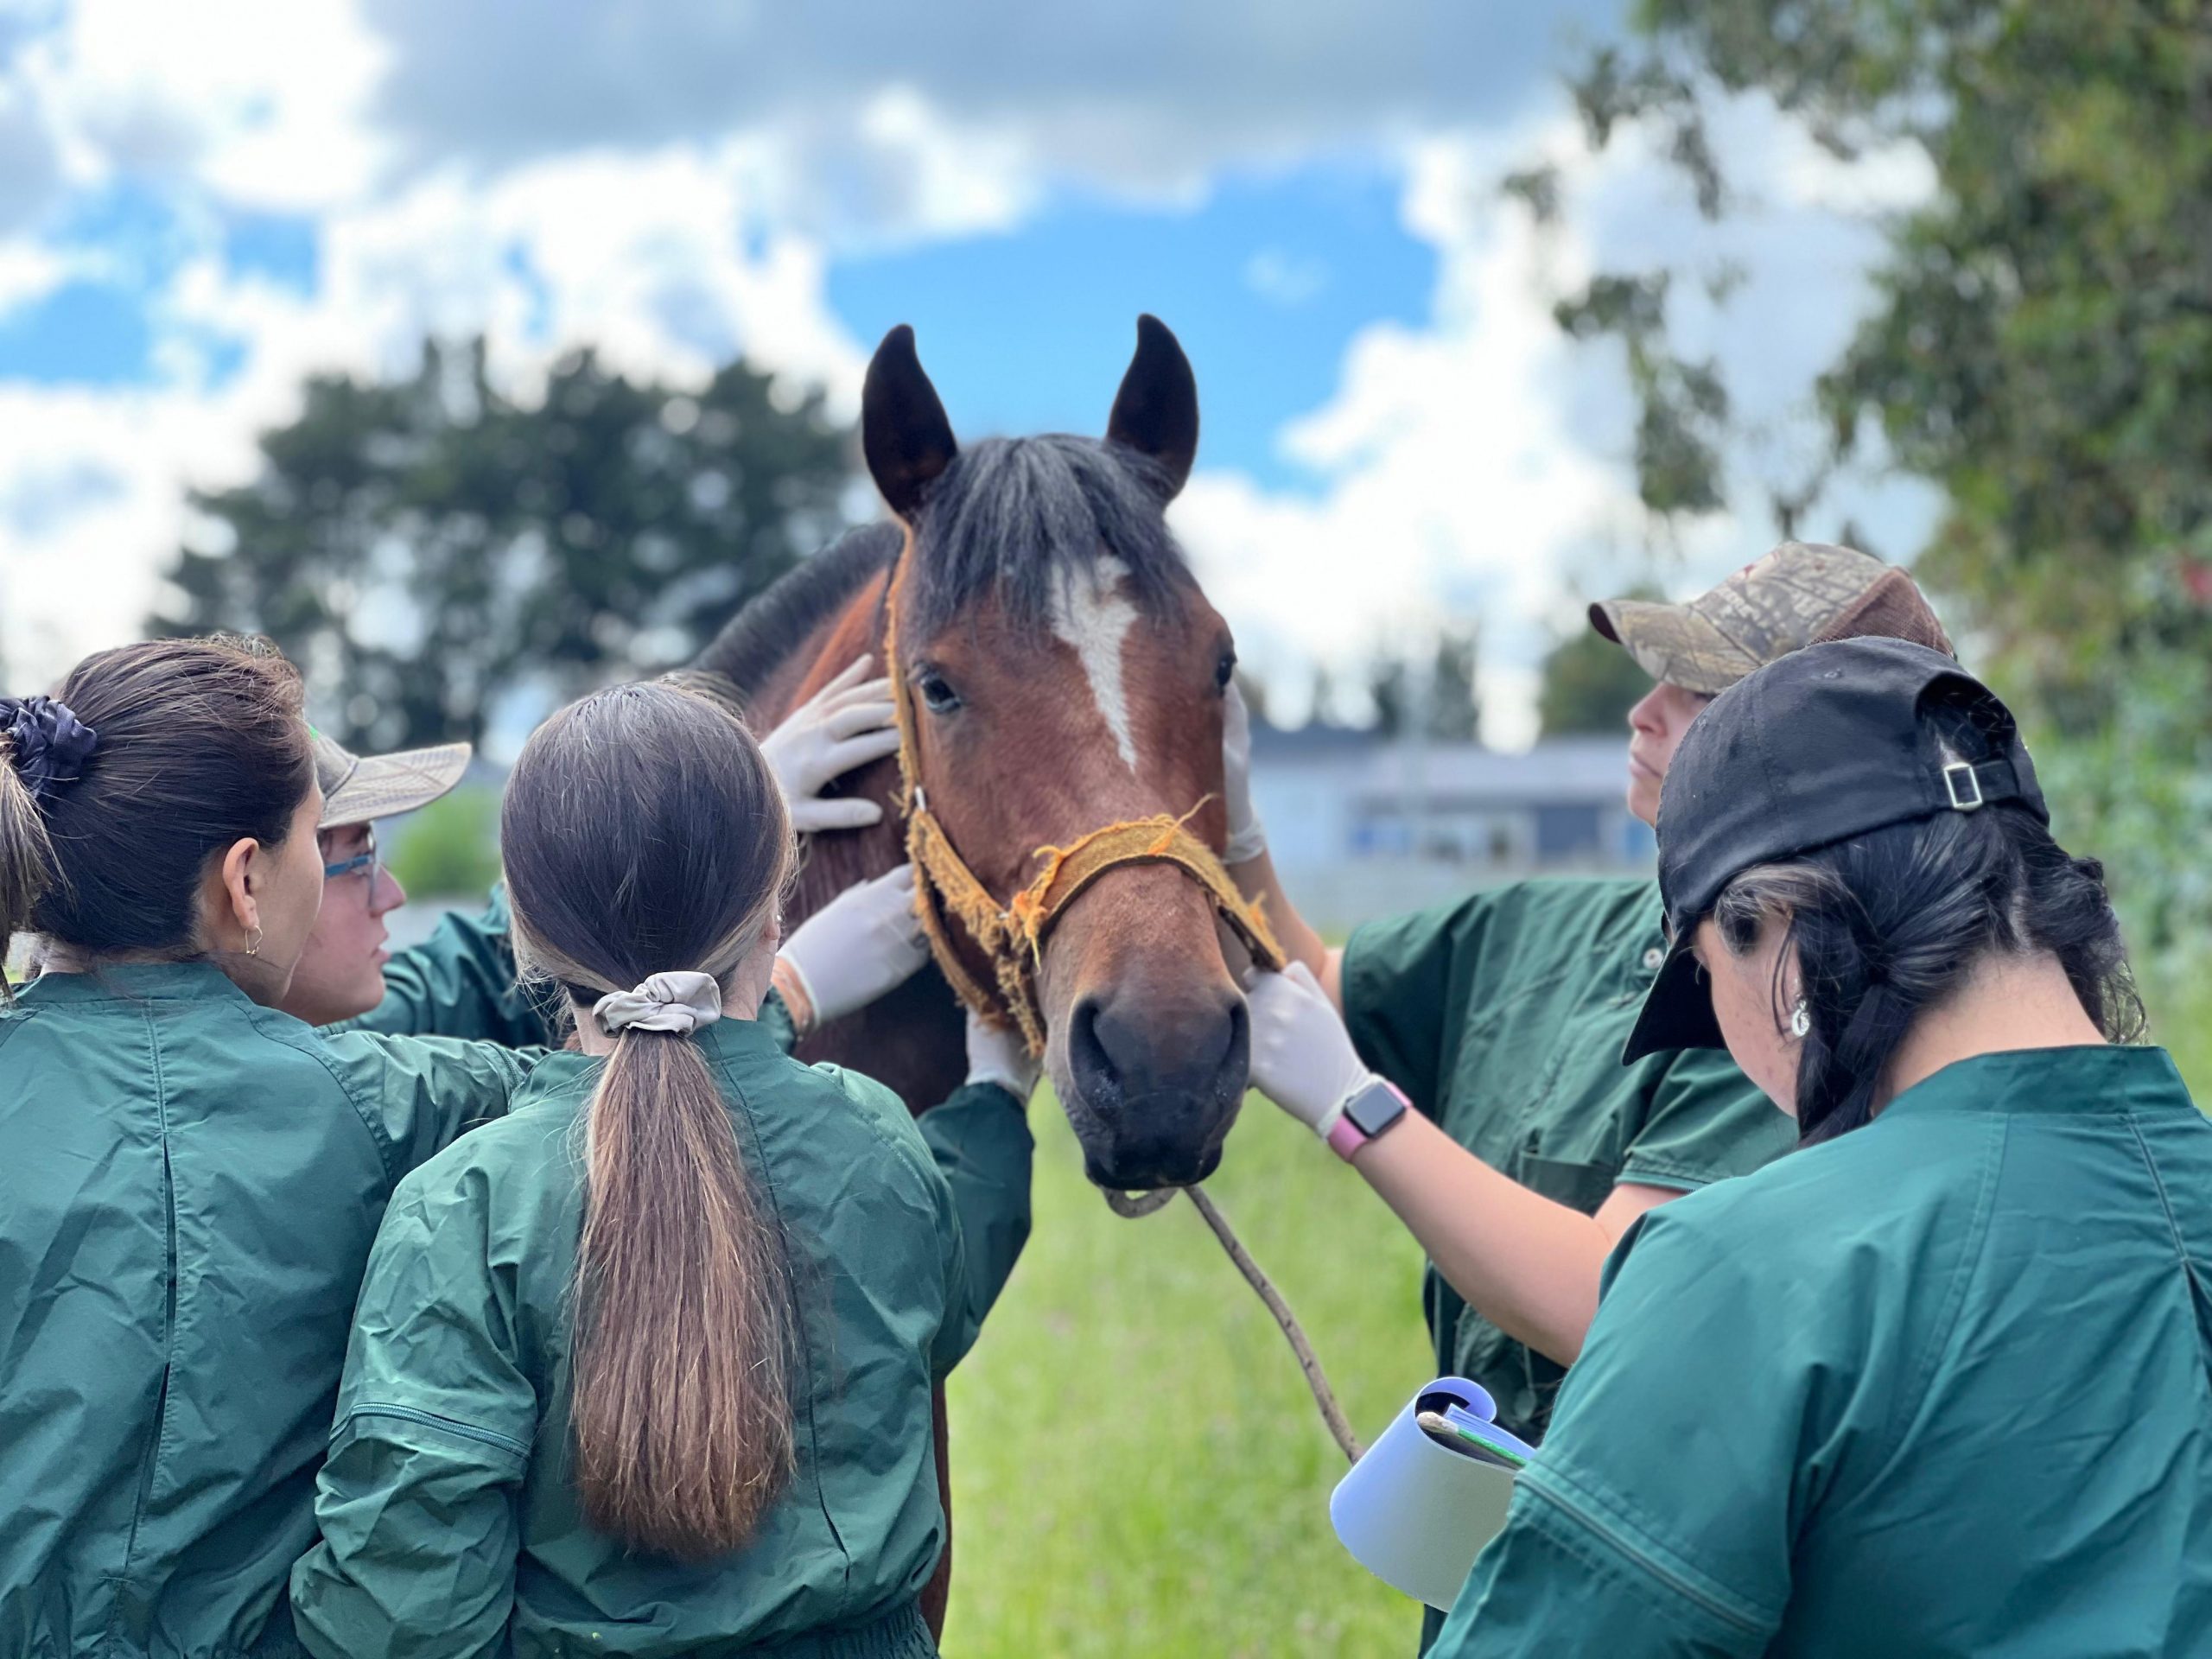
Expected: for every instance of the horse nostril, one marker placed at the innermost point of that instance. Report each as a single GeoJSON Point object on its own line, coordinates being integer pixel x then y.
{"type": "Point", "coordinates": [1095, 1074]}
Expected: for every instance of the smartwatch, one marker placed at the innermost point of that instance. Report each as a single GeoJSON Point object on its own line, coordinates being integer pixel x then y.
{"type": "Point", "coordinates": [1373, 1108]}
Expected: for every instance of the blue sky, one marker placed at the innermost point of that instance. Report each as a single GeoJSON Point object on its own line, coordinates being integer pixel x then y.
{"type": "Point", "coordinates": [198, 208]}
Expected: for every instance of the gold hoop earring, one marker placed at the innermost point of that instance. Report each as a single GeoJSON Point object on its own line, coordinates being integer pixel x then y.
{"type": "Point", "coordinates": [253, 946]}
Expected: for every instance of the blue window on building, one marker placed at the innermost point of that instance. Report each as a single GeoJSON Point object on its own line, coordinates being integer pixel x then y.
{"type": "Point", "coordinates": [1567, 831]}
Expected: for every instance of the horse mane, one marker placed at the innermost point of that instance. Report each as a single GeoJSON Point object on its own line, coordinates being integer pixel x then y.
{"type": "Point", "coordinates": [1006, 519]}
{"type": "Point", "coordinates": [1009, 516]}
{"type": "Point", "coordinates": [761, 638]}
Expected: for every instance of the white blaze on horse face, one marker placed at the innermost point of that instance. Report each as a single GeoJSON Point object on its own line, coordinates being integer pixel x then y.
{"type": "Point", "coordinates": [1091, 614]}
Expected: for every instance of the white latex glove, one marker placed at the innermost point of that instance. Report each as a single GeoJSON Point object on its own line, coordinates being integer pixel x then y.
{"type": "Point", "coordinates": [1302, 1057]}
{"type": "Point", "coordinates": [1248, 837]}
{"type": "Point", "coordinates": [848, 723]}
{"type": "Point", "coordinates": [864, 942]}
{"type": "Point", "coordinates": [997, 1054]}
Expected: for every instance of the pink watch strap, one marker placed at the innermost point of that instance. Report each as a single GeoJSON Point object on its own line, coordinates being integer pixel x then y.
{"type": "Point", "coordinates": [1346, 1137]}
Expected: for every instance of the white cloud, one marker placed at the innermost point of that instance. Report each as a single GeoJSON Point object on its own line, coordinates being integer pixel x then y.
{"type": "Point", "coordinates": [1454, 489]}
{"type": "Point", "coordinates": [1477, 469]}
{"type": "Point", "coordinates": [1147, 95]}
{"type": "Point", "coordinates": [262, 101]}
{"type": "Point", "coordinates": [1285, 279]}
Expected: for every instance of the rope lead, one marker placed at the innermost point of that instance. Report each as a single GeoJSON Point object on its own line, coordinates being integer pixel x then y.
{"type": "Point", "coordinates": [1136, 1205]}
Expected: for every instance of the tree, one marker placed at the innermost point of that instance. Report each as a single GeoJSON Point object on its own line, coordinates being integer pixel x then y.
{"type": "Point", "coordinates": [1589, 683]}
{"type": "Point", "coordinates": [1388, 689]}
{"type": "Point", "coordinates": [1453, 711]}
{"type": "Point", "coordinates": [2041, 348]}
{"type": "Point", "coordinates": [426, 547]}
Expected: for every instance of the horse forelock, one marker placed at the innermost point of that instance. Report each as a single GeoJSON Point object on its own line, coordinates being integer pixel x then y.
{"type": "Point", "coordinates": [1015, 520]}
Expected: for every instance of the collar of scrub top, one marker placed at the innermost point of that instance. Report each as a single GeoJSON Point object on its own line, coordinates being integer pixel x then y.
{"type": "Point", "coordinates": [1819, 745]}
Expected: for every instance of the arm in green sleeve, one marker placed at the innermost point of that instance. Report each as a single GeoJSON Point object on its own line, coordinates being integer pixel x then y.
{"type": "Point", "coordinates": [775, 1017]}
{"type": "Point", "coordinates": [1549, 1585]}
{"type": "Point", "coordinates": [981, 1141]}
{"type": "Point", "coordinates": [461, 982]}
{"type": "Point", "coordinates": [417, 1559]}
{"type": "Point", "coordinates": [1657, 1517]}
{"type": "Point", "coordinates": [417, 1505]}
{"type": "Point", "coordinates": [417, 1094]}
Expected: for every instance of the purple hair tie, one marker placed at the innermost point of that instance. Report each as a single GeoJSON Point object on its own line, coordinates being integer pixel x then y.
{"type": "Point", "coordinates": [47, 745]}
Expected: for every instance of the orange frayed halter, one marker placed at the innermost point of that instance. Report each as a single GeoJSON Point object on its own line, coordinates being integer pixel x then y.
{"type": "Point", "coordinates": [1013, 935]}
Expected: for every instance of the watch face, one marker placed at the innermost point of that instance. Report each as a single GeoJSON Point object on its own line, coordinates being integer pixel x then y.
{"type": "Point", "coordinates": [1374, 1108]}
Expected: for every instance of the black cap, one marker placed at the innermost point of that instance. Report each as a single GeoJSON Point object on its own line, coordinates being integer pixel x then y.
{"type": "Point", "coordinates": [1819, 745]}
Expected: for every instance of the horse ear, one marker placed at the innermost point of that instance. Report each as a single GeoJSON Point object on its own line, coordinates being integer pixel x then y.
{"type": "Point", "coordinates": [1156, 411]}
{"type": "Point", "coordinates": [904, 432]}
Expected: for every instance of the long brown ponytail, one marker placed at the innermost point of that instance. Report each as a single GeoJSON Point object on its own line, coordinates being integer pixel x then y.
{"type": "Point", "coordinates": [643, 833]}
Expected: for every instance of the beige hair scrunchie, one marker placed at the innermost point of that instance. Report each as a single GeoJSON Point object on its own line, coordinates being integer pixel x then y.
{"type": "Point", "coordinates": [671, 1002]}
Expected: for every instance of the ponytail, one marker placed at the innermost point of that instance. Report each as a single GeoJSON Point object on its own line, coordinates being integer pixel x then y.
{"type": "Point", "coordinates": [644, 836]}
{"type": "Point", "coordinates": [683, 1338]}
{"type": "Point", "coordinates": [26, 857]}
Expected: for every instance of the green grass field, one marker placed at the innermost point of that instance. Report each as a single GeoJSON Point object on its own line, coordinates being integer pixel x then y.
{"type": "Point", "coordinates": [1137, 1466]}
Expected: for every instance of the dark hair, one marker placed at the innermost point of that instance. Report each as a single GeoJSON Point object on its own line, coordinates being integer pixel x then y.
{"type": "Point", "coordinates": [201, 744]}
{"type": "Point", "coordinates": [1887, 925]}
{"type": "Point", "coordinates": [643, 833]}
{"type": "Point", "coordinates": [1012, 516]}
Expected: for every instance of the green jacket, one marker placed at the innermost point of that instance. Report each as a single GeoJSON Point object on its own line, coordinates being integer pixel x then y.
{"type": "Point", "coordinates": [454, 1419]}
{"type": "Point", "coordinates": [191, 1185]}
{"type": "Point", "coordinates": [1940, 1387]}
{"type": "Point", "coordinates": [1503, 1016]}
{"type": "Point", "coordinates": [461, 982]}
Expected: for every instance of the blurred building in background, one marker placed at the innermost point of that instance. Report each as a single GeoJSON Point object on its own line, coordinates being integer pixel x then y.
{"type": "Point", "coordinates": [1361, 826]}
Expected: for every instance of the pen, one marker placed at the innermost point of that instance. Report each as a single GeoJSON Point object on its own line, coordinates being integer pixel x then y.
{"type": "Point", "coordinates": [1439, 1427]}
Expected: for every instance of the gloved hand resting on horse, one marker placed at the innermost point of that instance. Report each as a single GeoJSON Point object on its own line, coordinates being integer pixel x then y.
{"type": "Point", "coordinates": [845, 725]}
{"type": "Point", "coordinates": [1302, 1057]}
{"type": "Point", "coordinates": [863, 943]}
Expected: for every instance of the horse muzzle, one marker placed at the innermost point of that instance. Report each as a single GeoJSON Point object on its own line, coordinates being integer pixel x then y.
{"type": "Point", "coordinates": [1151, 1085]}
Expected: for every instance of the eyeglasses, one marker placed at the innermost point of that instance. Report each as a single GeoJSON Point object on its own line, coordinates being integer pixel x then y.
{"type": "Point", "coordinates": [362, 864]}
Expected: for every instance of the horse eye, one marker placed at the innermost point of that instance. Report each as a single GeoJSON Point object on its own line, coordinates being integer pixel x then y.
{"type": "Point", "coordinates": [1224, 670]}
{"type": "Point", "coordinates": [938, 692]}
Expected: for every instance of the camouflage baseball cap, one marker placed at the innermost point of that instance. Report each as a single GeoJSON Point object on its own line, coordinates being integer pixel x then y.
{"type": "Point", "coordinates": [1802, 594]}
{"type": "Point", "coordinates": [356, 791]}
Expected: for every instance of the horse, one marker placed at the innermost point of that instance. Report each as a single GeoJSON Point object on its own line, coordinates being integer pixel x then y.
{"type": "Point", "coordinates": [1066, 672]}
{"type": "Point", "coordinates": [1059, 670]}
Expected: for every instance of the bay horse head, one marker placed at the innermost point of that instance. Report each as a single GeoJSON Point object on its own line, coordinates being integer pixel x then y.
{"type": "Point", "coordinates": [1062, 672]}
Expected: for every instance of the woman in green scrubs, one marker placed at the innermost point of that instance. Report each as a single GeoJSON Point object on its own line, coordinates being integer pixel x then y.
{"type": "Point", "coordinates": [193, 1179]}
{"type": "Point", "coordinates": [647, 1366]}
{"type": "Point", "coordinates": [1498, 1017]}
{"type": "Point", "coordinates": [1939, 1382]}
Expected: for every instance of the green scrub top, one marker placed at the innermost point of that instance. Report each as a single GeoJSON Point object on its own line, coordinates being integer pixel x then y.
{"type": "Point", "coordinates": [1942, 1386]}
{"type": "Point", "coordinates": [450, 1527]}
{"type": "Point", "coordinates": [189, 1183]}
{"type": "Point", "coordinates": [1503, 1016]}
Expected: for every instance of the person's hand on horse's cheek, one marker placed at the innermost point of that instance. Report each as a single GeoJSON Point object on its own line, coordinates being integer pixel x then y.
{"type": "Point", "coordinates": [865, 941]}
{"type": "Point", "coordinates": [850, 722]}
{"type": "Point", "coordinates": [1302, 1057]}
